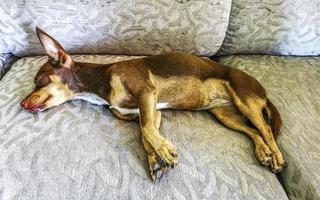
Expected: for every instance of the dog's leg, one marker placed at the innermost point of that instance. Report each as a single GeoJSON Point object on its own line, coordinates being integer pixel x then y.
{"type": "Point", "coordinates": [163, 147]}
{"type": "Point", "coordinates": [233, 119]}
{"type": "Point", "coordinates": [252, 109]}
{"type": "Point", "coordinates": [156, 164]}
{"type": "Point", "coordinates": [250, 98]}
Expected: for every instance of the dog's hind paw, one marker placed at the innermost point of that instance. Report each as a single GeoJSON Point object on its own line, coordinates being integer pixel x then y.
{"type": "Point", "coordinates": [278, 163]}
{"type": "Point", "coordinates": [264, 155]}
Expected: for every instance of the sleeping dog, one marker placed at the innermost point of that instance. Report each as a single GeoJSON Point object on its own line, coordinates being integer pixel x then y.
{"type": "Point", "coordinates": [138, 89]}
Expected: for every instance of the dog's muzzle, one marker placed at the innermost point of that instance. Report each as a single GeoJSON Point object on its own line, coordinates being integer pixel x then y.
{"type": "Point", "coordinates": [31, 104]}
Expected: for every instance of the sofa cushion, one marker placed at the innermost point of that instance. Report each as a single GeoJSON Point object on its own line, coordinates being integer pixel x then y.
{"type": "Point", "coordinates": [279, 27]}
{"type": "Point", "coordinates": [292, 84]}
{"type": "Point", "coordinates": [81, 151]}
{"type": "Point", "coordinates": [116, 27]}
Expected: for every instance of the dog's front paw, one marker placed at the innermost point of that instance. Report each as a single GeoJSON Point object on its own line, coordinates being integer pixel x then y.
{"type": "Point", "coordinates": [157, 166]}
{"type": "Point", "coordinates": [263, 154]}
{"type": "Point", "coordinates": [168, 153]}
{"type": "Point", "coordinates": [278, 163]}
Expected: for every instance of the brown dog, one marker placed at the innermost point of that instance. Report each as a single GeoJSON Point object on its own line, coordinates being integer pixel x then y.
{"type": "Point", "coordinates": [137, 89]}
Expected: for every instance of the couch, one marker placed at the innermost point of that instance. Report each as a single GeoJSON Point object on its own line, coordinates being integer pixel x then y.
{"type": "Point", "coordinates": [81, 151]}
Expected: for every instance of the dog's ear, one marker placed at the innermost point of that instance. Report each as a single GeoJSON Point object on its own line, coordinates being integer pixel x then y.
{"type": "Point", "coordinates": [54, 50]}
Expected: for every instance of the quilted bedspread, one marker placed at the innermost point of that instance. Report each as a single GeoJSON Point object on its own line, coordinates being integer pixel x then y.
{"type": "Point", "coordinates": [81, 151]}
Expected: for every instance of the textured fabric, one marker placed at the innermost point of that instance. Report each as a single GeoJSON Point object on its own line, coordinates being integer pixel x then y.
{"type": "Point", "coordinates": [278, 27]}
{"type": "Point", "coordinates": [292, 85]}
{"type": "Point", "coordinates": [81, 151]}
{"type": "Point", "coordinates": [6, 61]}
{"type": "Point", "coordinates": [115, 26]}
{"type": "Point", "coordinates": [3, 46]}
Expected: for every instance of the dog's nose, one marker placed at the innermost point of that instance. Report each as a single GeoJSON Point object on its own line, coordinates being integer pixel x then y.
{"type": "Point", "coordinates": [31, 106]}
{"type": "Point", "coordinates": [24, 104]}
{"type": "Point", "coordinates": [27, 104]}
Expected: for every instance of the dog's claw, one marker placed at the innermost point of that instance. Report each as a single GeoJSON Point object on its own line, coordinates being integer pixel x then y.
{"type": "Point", "coordinates": [160, 161]}
{"type": "Point", "coordinates": [277, 164]}
{"type": "Point", "coordinates": [175, 155]}
{"type": "Point", "coordinates": [159, 174]}
{"type": "Point", "coordinates": [158, 171]}
{"type": "Point", "coordinates": [168, 153]}
{"type": "Point", "coordinates": [264, 155]}
{"type": "Point", "coordinates": [157, 167]}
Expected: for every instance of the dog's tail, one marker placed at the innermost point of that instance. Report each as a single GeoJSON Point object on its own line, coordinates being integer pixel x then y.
{"type": "Point", "coordinates": [274, 118]}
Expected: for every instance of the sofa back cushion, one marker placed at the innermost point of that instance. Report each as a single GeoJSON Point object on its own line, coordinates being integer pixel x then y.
{"type": "Point", "coordinates": [115, 26]}
{"type": "Point", "coordinates": [280, 27]}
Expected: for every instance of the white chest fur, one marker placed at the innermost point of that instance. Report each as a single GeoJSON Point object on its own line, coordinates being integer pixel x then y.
{"type": "Point", "coordinates": [92, 98]}
{"type": "Point", "coordinates": [95, 99]}
{"type": "Point", "coordinates": [127, 111]}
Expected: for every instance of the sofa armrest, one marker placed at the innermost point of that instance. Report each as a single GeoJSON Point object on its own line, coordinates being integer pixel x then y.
{"type": "Point", "coordinates": [6, 61]}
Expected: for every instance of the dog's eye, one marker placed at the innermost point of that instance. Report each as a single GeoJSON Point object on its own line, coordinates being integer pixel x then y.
{"type": "Point", "coordinates": [42, 81]}
{"type": "Point", "coordinates": [53, 61]}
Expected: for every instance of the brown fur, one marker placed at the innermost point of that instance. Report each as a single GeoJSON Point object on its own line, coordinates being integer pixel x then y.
{"type": "Point", "coordinates": [136, 88]}
{"type": "Point", "coordinates": [274, 117]}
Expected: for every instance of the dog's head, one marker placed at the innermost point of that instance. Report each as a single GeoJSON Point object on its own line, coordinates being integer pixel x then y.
{"type": "Point", "coordinates": [56, 81]}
